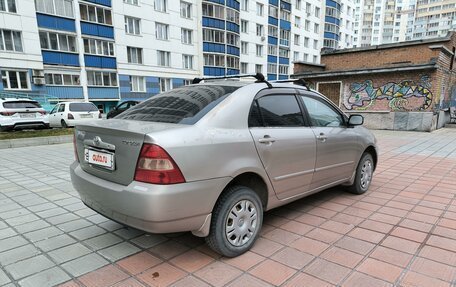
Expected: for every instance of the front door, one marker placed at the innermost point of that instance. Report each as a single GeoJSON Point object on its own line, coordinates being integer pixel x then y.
{"type": "Point", "coordinates": [286, 146]}
{"type": "Point", "coordinates": [53, 122]}
{"type": "Point", "coordinates": [337, 145]}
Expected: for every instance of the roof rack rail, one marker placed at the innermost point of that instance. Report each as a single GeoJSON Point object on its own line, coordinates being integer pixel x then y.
{"type": "Point", "coordinates": [258, 76]}
{"type": "Point", "coordinates": [300, 82]}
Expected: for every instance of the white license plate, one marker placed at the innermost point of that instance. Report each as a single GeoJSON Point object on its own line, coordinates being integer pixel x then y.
{"type": "Point", "coordinates": [99, 158]}
{"type": "Point", "coordinates": [28, 116]}
{"type": "Point", "coordinates": [86, 116]}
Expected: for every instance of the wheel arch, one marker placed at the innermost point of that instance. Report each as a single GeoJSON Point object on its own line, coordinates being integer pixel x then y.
{"type": "Point", "coordinates": [373, 152]}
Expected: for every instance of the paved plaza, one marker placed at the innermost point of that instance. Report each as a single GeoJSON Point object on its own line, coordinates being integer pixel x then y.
{"type": "Point", "coordinates": [401, 233]}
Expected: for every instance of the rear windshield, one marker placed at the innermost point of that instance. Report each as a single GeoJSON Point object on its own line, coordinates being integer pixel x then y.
{"type": "Point", "coordinates": [83, 107]}
{"type": "Point", "coordinates": [21, 105]}
{"type": "Point", "coordinates": [185, 105]}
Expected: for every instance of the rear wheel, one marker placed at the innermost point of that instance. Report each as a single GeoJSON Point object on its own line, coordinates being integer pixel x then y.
{"type": "Point", "coordinates": [64, 124]}
{"type": "Point", "coordinates": [236, 221]}
{"type": "Point", "coordinates": [363, 175]}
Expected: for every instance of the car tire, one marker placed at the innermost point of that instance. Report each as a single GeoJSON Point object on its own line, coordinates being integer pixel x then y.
{"type": "Point", "coordinates": [236, 221]}
{"type": "Point", "coordinates": [363, 177]}
{"type": "Point", "coordinates": [64, 124]}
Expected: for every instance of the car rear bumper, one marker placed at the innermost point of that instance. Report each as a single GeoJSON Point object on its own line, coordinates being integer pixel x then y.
{"type": "Point", "coordinates": [24, 122]}
{"type": "Point", "coordinates": [149, 207]}
{"type": "Point", "coordinates": [73, 123]}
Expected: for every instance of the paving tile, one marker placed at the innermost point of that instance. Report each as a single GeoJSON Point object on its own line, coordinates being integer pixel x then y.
{"type": "Point", "coordinates": [7, 232]}
{"type": "Point", "coordinates": [409, 234]}
{"type": "Point", "coordinates": [218, 273]}
{"type": "Point", "coordinates": [191, 261]}
{"type": "Point", "coordinates": [69, 252]}
{"type": "Point", "coordinates": [293, 258]}
{"type": "Point", "coordinates": [434, 269]}
{"type": "Point", "coordinates": [161, 275]}
{"type": "Point", "coordinates": [42, 234]}
{"type": "Point", "coordinates": [392, 256]}
{"type": "Point", "coordinates": [50, 277]}
{"type": "Point", "coordinates": [32, 226]}
{"type": "Point", "coordinates": [130, 282]}
{"type": "Point", "coordinates": [119, 251]}
{"type": "Point", "coordinates": [149, 240]}
{"type": "Point", "coordinates": [18, 254]}
{"type": "Point", "coordinates": [413, 279]}
{"type": "Point", "coordinates": [105, 276]}
{"type": "Point", "coordinates": [102, 241]}
{"type": "Point", "coordinates": [355, 245]}
{"type": "Point", "coordinates": [380, 270]}
{"type": "Point", "coordinates": [439, 255]}
{"type": "Point", "coordinates": [281, 236]}
{"type": "Point", "coordinates": [74, 225]}
{"type": "Point", "coordinates": [84, 264]}
{"type": "Point", "coordinates": [55, 242]}
{"type": "Point", "coordinates": [341, 256]}
{"type": "Point", "coordinates": [360, 280]}
{"type": "Point", "coordinates": [324, 235]}
{"type": "Point", "coordinates": [3, 278]}
{"type": "Point", "coordinates": [12, 242]}
{"type": "Point", "coordinates": [138, 263]}
{"type": "Point", "coordinates": [87, 232]}
{"type": "Point", "coordinates": [366, 235]}
{"type": "Point", "coordinates": [310, 246]}
{"type": "Point", "coordinates": [339, 227]}
{"type": "Point", "coordinates": [401, 244]}
{"type": "Point", "coordinates": [327, 271]}
{"type": "Point", "coordinates": [29, 266]}
{"type": "Point", "coordinates": [128, 232]}
{"type": "Point", "coordinates": [168, 249]}
{"type": "Point", "coordinates": [272, 272]}
{"type": "Point", "coordinates": [244, 261]}
{"type": "Point", "coordinates": [306, 280]}
{"type": "Point", "coordinates": [190, 281]}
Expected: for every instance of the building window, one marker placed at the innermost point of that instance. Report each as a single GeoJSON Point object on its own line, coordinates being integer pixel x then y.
{"type": "Point", "coordinates": [8, 6]}
{"type": "Point", "coordinates": [315, 59]}
{"type": "Point", "coordinates": [161, 31]}
{"type": "Point", "coordinates": [213, 11]}
{"type": "Point", "coordinates": [283, 69]}
{"type": "Point", "coordinates": [273, 11]}
{"type": "Point", "coordinates": [295, 56]}
{"type": "Point", "coordinates": [133, 2]}
{"type": "Point", "coordinates": [98, 47]}
{"type": "Point", "coordinates": [232, 39]}
{"type": "Point", "coordinates": [244, 5]}
{"type": "Point", "coordinates": [11, 41]}
{"type": "Point", "coordinates": [306, 42]}
{"type": "Point", "coordinates": [284, 53]}
{"type": "Point", "coordinates": [308, 8]}
{"type": "Point", "coordinates": [62, 79]}
{"type": "Point", "coordinates": [132, 25]}
{"type": "Point", "coordinates": [272, 68]}
{"type": "Point", "coordinates": [244, 26]}
{"type": "Point", "coordinates": [135, 55]}
{"type": "Point", "coordinates": [244, 48]}
{"type": "Point", "coordinates": [95, 14]}
{"type": "Point", "coordinates": [307, 25]}
{"type": "Point", "coordinates": [298, 4]}
{"type": "Point", "coordinates": [160, 5]}
{"type": "Point", "coordinates": [317, 28]}
{"type": "Point", "coordinates": [272, 50]}
{"type": "Point", "coordinates": [186, 36]}
{"type": "Point", "coordinates": [54, 7]}
{"type": "Point", "coordinates": [258, 68]}
{"type": "Point", "coordinates": [232, 16]}
{"type": "Point", "coordinates": [232, 62]}
{"type": "Point", "coordinates": [284, 37]}
{"type": "Point", "coordinates": [186, 10]}
{"type": "Point", "coordinates": [259, 50]}
{"type": "Point", "coordinates": [315, 44]}
{"type": "Point", "coordinates": [214, 60]}
{"type": "Point", "coordinates": [165, 85]}
{"type": "Point", "coordinates": [317, 12]}
{"type": "Point", "coordinates": [259, 30]}
{"type": "Point", "coordinates": [259, 9]}
{"type": "Point", "coordinates": [15, 80]}
{"type": "Point", "coordinates": [99, 78]}
{"type": "Point", "coordinates": [285, 15]}
{"type": "Point", "coordinates": [57, 42]}
{"type": "Point", "coordinates": [163, 58]}
{"type": "Point", "coordinates": [214, 36]}
{"type": "Point", "coordinates": [138, 84]}
{"type": "Point", "coordinates": [244, 68]}
{"type": "Point", "coordinates": [187, 82]}
{"type": "Point", "coordinates": [297, 39]}
{"type": "Point", "coordinates": [297, 21]}
{"type": "Point", "coordinates": [187, 62]}
{"type": "Point", "coordinates": [273, 31]}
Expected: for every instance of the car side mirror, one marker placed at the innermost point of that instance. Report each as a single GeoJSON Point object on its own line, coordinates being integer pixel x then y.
{"type": "Point", "coordinates": [355, 120]}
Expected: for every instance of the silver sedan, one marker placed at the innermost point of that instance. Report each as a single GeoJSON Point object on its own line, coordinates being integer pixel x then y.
{"type": "Point", "coordinates": [210, 158]}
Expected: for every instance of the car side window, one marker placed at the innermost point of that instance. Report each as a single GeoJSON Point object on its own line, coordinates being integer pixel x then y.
{"type": "Point", "coordinates": [54, 110]}
{"type": "Point", "coordinates": [321, 114]}
{"type": "Point", "coordinates": [277, 111]}
{"type": "Point", "coordinates": [61, 108]}
{"type": "Point", "coordinates": [122, 106]}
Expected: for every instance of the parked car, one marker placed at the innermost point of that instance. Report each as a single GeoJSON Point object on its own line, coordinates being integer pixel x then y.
{"type": "Point", "coordinates": [21, 113]}
{"type": "Point", "coordinates": [69, 114]}
{"type": "Point", "coordinates": [210, 158]}
{"type": "Point", "coordinates": [120, 108]}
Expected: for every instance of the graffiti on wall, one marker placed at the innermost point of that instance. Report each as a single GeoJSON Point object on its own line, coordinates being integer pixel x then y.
{"type": "Point", "coordinates": [406, 95]}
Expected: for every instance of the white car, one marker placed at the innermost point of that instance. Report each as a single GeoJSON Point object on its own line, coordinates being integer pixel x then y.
{"type": "Point", "coordinates": [21, 113]}
{"type": "Point", "coordinates": [69, 114]}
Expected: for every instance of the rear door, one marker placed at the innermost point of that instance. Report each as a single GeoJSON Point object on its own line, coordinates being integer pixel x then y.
{"type": "Point", "coordinates": [337, 145]}
{"type": "Point", "coordinates": [284, 143]}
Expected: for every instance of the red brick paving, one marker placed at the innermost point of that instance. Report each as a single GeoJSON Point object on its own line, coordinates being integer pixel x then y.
{"type": "Point", "coordinates": [401, 233]}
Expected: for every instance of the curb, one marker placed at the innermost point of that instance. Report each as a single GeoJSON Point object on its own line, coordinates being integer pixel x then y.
{"type": "Point", "coordinates": [24, 142]}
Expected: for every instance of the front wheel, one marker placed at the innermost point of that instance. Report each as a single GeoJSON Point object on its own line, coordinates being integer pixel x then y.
{"type": "Point", "coordinates": [236, 221]}
{"type": "Point", "coordinates": [363, 175]}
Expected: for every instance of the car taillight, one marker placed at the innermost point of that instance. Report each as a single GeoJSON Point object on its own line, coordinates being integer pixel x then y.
{"type": "Point", "coordinates": [75, 149]}
{"type": "Point", "coordinates": [156, 166]}
{"type": "Point", "coordinates": [42, 112]}
{"type": "Point", "coordinates": [7, 114]}
{"type": "Point", "coordinates": [70, 116]}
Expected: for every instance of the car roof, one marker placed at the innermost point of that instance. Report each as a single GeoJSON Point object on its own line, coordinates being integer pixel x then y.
{"type": "Point", "coordinates": [260, 85]}
{"type": "Point", "coordinates": [16, 99]}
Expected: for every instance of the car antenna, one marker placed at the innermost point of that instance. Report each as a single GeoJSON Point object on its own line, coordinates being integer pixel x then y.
{"type": "Point", "coordinates": [258, 76]}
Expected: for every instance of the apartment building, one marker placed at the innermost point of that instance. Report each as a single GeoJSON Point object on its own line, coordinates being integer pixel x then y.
{"type": "Point", "coordinates": [339, 24]}
{"type": "Point", "coordinates": [434, 18]}
{"type": "Point", "coordinates": [108, 51]}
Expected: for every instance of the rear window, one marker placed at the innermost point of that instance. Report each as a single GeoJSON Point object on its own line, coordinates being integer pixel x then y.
{"type": "Point", "coordinates": [185, 105]}
{"type": "Point", "coordinates": [21, 105]}
{"type": "Point", "coordinates": [83, 107]}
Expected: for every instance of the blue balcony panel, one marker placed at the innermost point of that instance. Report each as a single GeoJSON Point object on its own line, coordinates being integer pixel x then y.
{"type": "Point", "coordinates": [284, 61]}
{"type": "Point", "coordinates": [330, 35]}
{"type": "Point", "coordinates": [103, 93]}
{"type": "Point", "coordinates": [232, 50]}
{"type": "Point", "coordinates": [214, 71]}
{"type": "Point", "coordinates": [272, 77]}
{"type": "Point", "coordinates": [101, 2]}
{"type": "Point", "coordinates": [214, 23]}
{"type": "Point", "coordinates": [285, 5]}
{"type": "Point", "coordinates": [283, 77]}
{"type": "Point", "coordinates": [273, 21]}
{"type": "Point", "coordinates": [332, 3]}
{"type": "Point", "coordinates": [97, 30]}
{"type": "Point", "coordinates": [274, 2]}
{"type": "Point", "coordinates": [55, 23]}
{"type": "Point", "coordinates": [232, 72]}
{"type": "Point", "coordinates": [272, 59]}
{"type": "Point", "coordinates": [232, 27]}
{"type": "Point", "coordinates": [332, 20]}
{"type": "Point", "coordinates": [213, 47]}
{"type": "Point", "coordinates": [285, 25]}
{"type": "Point", "coordinates": [218, 1]}
{"type": "Point", "coordinates": [65, 92]}
{"type": "Point", "coordinates": [60, 58]}
{"type": "Point", "coordinates": [100, 62]}
{"type": "Point", "coordinates": [272, 40]}
{"type": "Point", "coordinates": [233, 4]}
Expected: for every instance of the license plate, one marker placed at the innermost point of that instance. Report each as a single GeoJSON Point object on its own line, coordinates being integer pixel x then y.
{"type": "Point", "coordinates": [103, 159]}
{"type": "Point", "coordinates": [86, 116]}
{"type": "Point", "coordinates": [27, 115]}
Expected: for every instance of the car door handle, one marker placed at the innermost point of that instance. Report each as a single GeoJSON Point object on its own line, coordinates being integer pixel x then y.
{"type": "Point", "coordinates": [322, 137]}
{"type": "Point", "coordinates": [266, 140]}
